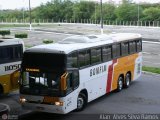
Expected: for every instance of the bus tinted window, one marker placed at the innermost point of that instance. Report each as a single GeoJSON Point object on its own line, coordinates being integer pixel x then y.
{"type": "Point", "coordinates": [6, 54]}
{"type": "Point", "coordinates": [95, 55]}
{"type": "Point", "coordinates": [18, 52]}
{"type": "Point", "coordinates": [139, 45]}
{"type": "Point", "coordinates": [84, 58]}
{"type": "Point", "coordinates": [116, 50]}
{"type": "Point", "coordinates": [106, 51]}
{"type": "Point", "coordinates": [10, 53]}
{"type": "Point", "coordinates": [132, 47]}
{"type": "Point", "coordinates": [124, 48]}
{"type": "Point", "coordinates": [72, 60]}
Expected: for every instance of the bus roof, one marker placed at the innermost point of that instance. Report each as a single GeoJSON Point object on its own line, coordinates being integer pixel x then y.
{"type": "Point", "coordinates": [10, 41]}
{"type": "Point", "coordinates": [78, 42]}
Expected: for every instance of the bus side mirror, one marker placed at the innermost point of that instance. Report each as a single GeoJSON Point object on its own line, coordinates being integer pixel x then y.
{"type": "Point", "coordinates": [64, 81]}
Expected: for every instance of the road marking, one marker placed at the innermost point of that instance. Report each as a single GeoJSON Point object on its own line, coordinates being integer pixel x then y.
{"type": "Point", "coordinates": [150, 53]}
{"type": "Point", "coordinates": [151, 42]}
{"type": "Point", "coordinates": [151, 62]}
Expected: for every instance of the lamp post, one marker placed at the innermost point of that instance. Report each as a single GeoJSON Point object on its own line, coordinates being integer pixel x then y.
{"type": "Point", "coordinates": [101, 19]}
{"type": "Point", "coordinates": [30, 20]}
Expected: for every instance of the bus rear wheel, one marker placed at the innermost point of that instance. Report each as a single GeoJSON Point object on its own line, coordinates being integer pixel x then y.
{"type": "Point", "coordinates": [120, 84]}
{"type": "Point", "coordinates": [81, 102]}
{"type": "Point", "coordinates": [127, 80]}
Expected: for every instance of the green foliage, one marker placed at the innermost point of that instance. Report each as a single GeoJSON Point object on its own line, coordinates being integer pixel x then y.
{"type": "Point", "coordinates": [108, 12]}
{"type": "Point", "coordinates": [4, 32]}
{"type": "Point", "coordinates": [47, 41]}
{"type": "Point", "coordinates": [67, 10]}
{"type": "Point", "coordinates": [152, 14]}
{"type": "Point", "coordinates": [128, 12]}
{"type": "Point", "coordinates": [21, 35]}
{"type": "Point", "coordinates": [83, 10]}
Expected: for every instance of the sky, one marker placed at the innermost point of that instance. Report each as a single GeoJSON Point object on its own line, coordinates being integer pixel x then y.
{"type": "Point", "coordinates": [19, 4]}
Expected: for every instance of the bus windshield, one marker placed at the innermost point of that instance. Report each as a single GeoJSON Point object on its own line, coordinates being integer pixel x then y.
{"type": "Point", "coordinates": [43, 61]}
{"type": "Point", "coordinates": [41, 73]}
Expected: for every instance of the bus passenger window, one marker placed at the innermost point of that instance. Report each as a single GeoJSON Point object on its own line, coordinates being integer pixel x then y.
{"type": "Point", "coordinates": [6, 54]}
{"type": "Point", "coordinates": [124, 48]}
{"type": "Point", "coordinates": [116, 51]}
{"type": "Point", "coordinates": [139, 45]}
{"type": "Point", "coordinates": [18, 52]}
{"type": "Point", "coordinates": [95, 55]}
{"type": "Point", "coordinates": [72, 60]}
{"type": "Point", "coordinates": [132, 47]}
{"type": "Point", "coordinates": [106, 53]}
{"type": "Point", "coordinates": [84, 58]}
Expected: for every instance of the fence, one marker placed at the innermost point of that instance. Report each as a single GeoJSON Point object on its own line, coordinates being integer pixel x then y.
{"type": "Point", "coordinates": [84, 21]}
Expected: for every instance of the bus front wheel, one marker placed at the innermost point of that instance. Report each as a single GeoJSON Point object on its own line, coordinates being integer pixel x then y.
{"type": "Point", "coordinates": [81, 102]}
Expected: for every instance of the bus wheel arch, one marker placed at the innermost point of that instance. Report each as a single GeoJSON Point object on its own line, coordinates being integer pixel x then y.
{"type": "Point", "coordinates": [82, 100]}
{"type": "Point", "coordinates": [128, 78]}
{"type": "Point", "coordinates": [1, 89]}
{"type": "Point", "coordinates": [120, 82]}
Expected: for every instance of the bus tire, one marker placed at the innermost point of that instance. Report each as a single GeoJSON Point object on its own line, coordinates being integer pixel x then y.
{"type": "Point", "coordinates": [120, 84]}
{"type": "Point", "coordinates": [81, 102]}
{"type": "Point", "coordinates": [127, 80]}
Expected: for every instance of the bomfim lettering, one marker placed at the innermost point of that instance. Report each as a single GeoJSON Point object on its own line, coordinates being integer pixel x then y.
{"type": "Point", "coordinates": [98, 70]}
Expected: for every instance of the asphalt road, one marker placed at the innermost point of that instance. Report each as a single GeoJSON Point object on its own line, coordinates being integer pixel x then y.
{"type": "Point", "coordinates": [141, 97]}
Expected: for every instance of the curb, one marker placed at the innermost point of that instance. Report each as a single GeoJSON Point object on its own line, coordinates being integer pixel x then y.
{"type": "Point", "coordinates": [150, 73]}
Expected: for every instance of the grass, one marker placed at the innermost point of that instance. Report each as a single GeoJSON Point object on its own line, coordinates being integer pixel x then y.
{"type": "Point", "coordinates": [151, 69]}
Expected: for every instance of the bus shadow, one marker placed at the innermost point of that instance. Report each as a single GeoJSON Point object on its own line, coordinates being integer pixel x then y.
{"type": "Point", "coordinates": [45, 116]}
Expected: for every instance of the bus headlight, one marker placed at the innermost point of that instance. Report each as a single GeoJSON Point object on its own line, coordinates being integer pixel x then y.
{"type": "Point", "coordinates": [22, 100]}
{"type": "Point", "coordinates": [59, 103]}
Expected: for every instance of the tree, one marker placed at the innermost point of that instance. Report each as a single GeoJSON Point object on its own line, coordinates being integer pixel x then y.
{"type": "Point", "coordinates": [83, 10]}
{"type": "Point", "coordinates": [151, 14]}
{"type": "Point", "coordinates": [108, 12]}
{"type": "Point", "coordinates": [127, 11]}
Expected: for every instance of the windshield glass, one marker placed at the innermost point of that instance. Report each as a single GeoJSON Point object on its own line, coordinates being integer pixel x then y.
{"type": "Point", "coordinates": [38, 83]}
{"type": "Point", "coordinates": [44, 61]}
{"type": "Point", "coordinates": [41, 73]}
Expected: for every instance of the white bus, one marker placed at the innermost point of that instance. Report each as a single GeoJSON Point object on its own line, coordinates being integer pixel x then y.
{"type": "Point", "coordinates": [11, 51]}
{"type": "Point", "coordinates": [65, 76]}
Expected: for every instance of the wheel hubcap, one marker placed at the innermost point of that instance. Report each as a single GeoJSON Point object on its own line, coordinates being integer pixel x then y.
{"type": "Point", "coordinates": [80, 103]}
{"type": "Point", "coordinates": [127, 80]}
{"type": "Point", "coordinates": [120, 84]}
